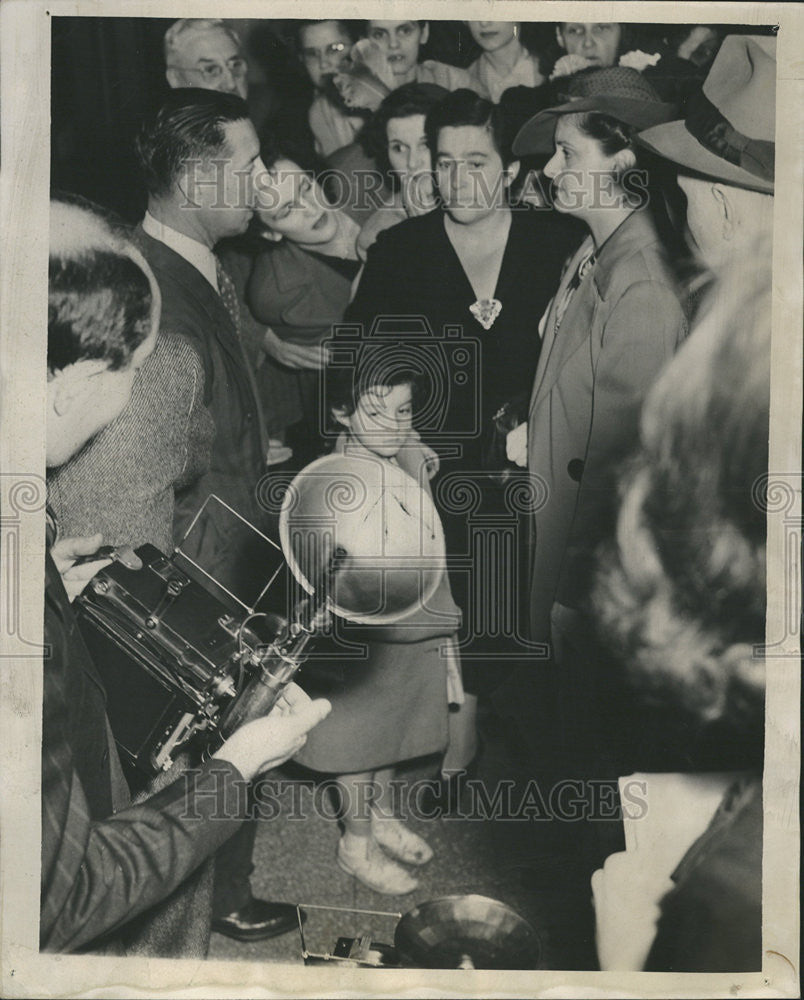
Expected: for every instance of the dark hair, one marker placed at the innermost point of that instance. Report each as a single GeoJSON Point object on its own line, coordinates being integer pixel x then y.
{"type": "Point", "coordinates": [275, 147]}
{"type": "Point", "coordinates": [188, 125]}
{"type": "Point", "coordinates": [350, 28]}
{"type": "Point", "coordinates": [405, 102]}
{"type": "Point", "coordinates": [376, 365]}
{"type": "Point", "coordinates": [464, 107]}
{"type": "Point", "coordinates": [612, 134]}
{"type": "Point", "coordinates": [99, 299]}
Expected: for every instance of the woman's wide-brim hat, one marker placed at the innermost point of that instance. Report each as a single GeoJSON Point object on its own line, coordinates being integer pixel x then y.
{"type": "Point", "coordinates": [729, 131]}
{"type": "Point", "coordinates": [618, 91]}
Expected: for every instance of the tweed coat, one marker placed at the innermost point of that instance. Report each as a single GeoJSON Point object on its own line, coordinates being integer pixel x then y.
{"type": "Point", "coordinates": [624, 322]}
{"type": "Point", "coordinates": [122, 482]}
{"type": "Point", "coordinates": [100, 868]}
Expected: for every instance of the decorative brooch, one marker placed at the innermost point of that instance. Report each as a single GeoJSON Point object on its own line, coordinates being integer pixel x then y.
{"type": "Point", "coordinates": [485, 311]}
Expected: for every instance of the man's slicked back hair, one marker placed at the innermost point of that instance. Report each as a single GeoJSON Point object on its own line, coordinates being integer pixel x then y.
{"type": "Point", "coordinates": [188, 126]}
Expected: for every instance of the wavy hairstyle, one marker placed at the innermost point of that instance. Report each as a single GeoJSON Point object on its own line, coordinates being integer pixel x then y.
{"type": "Point", "coordinates": [189, 125]}
{"type": "Point", "coordinates": [680, 596]}
{"type": "Point", "coordinates": [100, 294]}
{"type": "Point", "coordinates": [407, 101]}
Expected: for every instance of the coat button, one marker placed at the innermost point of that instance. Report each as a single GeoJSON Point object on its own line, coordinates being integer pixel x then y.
{"type": "Point", "coordinates": [575, 469]}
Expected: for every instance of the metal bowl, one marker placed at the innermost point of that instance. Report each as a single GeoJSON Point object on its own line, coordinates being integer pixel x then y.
{"type": "Point", "coordinates": [467, 932]}
{"type": "Point", "coordinates": [387, 531]}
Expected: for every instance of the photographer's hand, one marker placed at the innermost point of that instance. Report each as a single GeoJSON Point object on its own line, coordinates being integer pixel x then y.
{"type": "Point", "coordinates": [627, 892]}
{"type": "Point", "coordinates": [66, 551]}
{"type": "Point", "coordinates": [268, 742]}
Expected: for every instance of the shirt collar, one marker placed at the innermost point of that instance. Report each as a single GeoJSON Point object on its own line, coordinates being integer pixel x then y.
{"type": "Point", "coordinates": [195, 253]}
{"type": "Point", "coordinates": [522, 72]}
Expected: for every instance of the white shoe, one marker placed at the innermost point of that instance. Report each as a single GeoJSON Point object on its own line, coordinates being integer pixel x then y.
{"type": "Point", "coordinates": [400, 842]}
{"type": "Point", "coordinates": [361, 857]}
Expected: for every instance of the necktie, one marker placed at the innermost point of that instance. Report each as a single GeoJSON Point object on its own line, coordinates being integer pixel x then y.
{"type": "Point", "coordinates": [228, 294]}
{"type": "Point", "coordinates": [585, 265]}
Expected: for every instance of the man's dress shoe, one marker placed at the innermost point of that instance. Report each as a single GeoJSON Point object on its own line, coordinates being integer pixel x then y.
{"type": "Point", "coordinates": [257, 920]}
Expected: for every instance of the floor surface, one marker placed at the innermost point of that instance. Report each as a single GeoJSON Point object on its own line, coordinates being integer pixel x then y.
{"type": "Point", "coordinates": [535, 865]}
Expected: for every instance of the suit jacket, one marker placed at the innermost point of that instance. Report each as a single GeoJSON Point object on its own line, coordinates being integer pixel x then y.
{"type": "Point", "coordinates": [277, 385]}
{"type": "Point", "coordinates": [412, 272]}
{"type": "Point", "coordinates": [191, 307]}
{"type": "Point", "coordinates": [622, 325]}
{"type": "Point", "coordinates": [122, 483]}
{"type": "Point", "coordinates": [712, 920]}
{"type": "Point", "coordinates": [99, 868]}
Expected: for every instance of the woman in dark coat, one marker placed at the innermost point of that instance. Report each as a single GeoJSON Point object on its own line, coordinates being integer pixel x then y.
{"type": "Point", "coordinates": [470, 280]}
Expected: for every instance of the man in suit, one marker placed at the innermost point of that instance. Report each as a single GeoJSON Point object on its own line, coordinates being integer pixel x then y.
{"type": "Point", "coordinates": [199, 155]}
{"type": "Point", "coordinates": [104, 861]}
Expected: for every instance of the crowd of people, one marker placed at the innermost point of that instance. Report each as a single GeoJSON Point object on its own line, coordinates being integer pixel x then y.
{"type": "Point", "coordinates": [555, 262]}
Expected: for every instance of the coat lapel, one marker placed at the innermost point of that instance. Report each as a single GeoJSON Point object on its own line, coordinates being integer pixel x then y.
{"type": "Point", "coordinates": [191, 279]}
{"type": "Point", "coordinates": [552, 357]}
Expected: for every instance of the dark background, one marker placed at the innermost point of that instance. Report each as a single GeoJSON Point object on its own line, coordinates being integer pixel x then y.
{"type": "Point", "coordinates": [107, 72]}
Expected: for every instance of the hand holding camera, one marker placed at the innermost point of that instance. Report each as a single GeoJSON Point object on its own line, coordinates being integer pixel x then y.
{"type": "Point", "coordinates": [76, 570]}
{"type": "Point", "coordinates": [273, 739]}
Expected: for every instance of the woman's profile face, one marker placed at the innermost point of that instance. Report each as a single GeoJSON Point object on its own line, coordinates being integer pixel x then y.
{"type": "Point", "coordinates": [597, 42]}
{"type": "Point", "coordinates": [290, 203]}
{"type": "Point", "coordinates": [582, 174]}
{"type": "Point", "coordinates": [469, 173]}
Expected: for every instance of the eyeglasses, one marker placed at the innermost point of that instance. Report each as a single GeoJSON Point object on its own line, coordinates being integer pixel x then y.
{"type": "Point", "coordinates": [333, 49]}
{"type": "Point", "coordinates": [213, 72]}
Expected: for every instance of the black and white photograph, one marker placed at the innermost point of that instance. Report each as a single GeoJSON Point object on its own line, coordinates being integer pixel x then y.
{"type": "Point", "coordinates": [401, 498]}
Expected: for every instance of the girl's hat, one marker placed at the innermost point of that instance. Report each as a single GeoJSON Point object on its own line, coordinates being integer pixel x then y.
{"type": "Point", "coordinates": [618, 91]}
{"type": "Point", "coordinates": [729, 129]}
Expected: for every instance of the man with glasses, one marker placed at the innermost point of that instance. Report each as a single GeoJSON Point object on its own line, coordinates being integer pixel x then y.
{"type": "Point", "coordinates": [205, 52]}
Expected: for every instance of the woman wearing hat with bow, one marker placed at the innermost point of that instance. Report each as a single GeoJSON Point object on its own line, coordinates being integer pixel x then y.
{"type": "Point", "coordinates": [615, 320]}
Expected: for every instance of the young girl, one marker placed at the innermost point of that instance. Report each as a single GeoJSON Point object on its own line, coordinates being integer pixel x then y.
{"type": "Point", "coordinates": [504, 61]}
{"type": "Point", "coordinates": [392, 705]}
{"type": "Point", "coordinates": [323, 48]}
